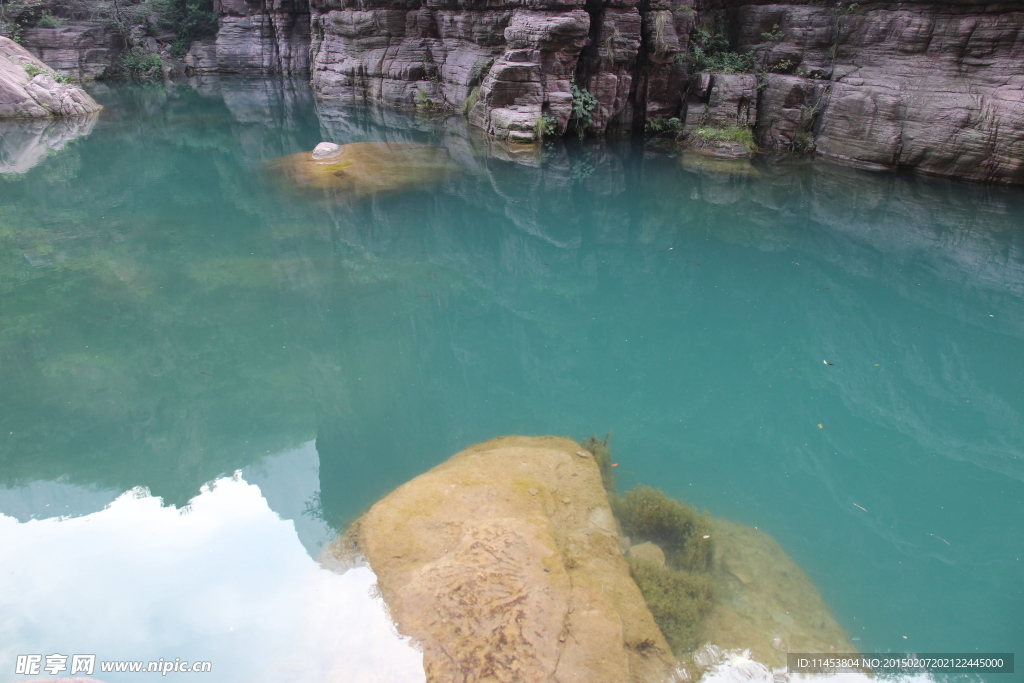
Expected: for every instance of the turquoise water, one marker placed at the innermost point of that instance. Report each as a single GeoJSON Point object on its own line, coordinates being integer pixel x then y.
{"type": "Point", "coordinates": [833, 356]}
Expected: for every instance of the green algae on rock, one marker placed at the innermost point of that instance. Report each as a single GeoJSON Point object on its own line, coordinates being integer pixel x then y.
{"type": "Point", "coordinates": [671, 563]}
{"type": "Point", "coordinates": [679, 600]}
{"type": "Point", "coordinates": [680, 531]}
{"type": "Point", "coordinates": [361, 169]}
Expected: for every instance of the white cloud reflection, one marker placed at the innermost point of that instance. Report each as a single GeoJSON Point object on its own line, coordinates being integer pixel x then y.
{"type": "Point", "coordinates": [225, 580]}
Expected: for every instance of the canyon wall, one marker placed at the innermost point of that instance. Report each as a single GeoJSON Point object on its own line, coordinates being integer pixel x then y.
{"type": "Point", "coordinates": [506, 64]}
{"type": "Point", "coordinates": [936, 87]}
{"type": "Point", "coordinates": [261, 37]}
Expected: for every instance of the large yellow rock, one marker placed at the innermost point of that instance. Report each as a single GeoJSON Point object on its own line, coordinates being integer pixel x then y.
{"type": "Point", "coordinates": [504, 563]}
{"type": "Point", "coordinates": [361, 169]}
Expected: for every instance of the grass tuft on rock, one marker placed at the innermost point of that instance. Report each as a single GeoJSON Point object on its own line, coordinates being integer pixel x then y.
{"type": "Point", "coordinates": [678, 600]}
{"type": "Point", "coordinates": [739, 134]}
{"type": "Point", "coordinates": [647, 514]}
{"type": "Point", "coordinates": [599, 449]}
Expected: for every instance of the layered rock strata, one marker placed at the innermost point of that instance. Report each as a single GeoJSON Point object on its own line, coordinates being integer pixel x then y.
{"type": "Point", "coordinates": [82, 49]}
{"type": "Point", "coordinates": [28, 88]}
{"type": "Point", "coordinates": [260, 37]}
{"type": "Point", "coordinates": [932, 87]}
{"type": "Point", "coordinates": [507, 66]}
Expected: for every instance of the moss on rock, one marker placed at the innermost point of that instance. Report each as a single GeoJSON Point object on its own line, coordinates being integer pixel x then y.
{"type": "Point", "coordinates": [647, 514]}
{"type": "Point", "coordinates": [679, 601]}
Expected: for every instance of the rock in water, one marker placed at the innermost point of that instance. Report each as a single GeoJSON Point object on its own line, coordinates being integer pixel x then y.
{"type": "Point", "coordinates": [325, 150]}
{"type": "Point", "coordinates": [360, 169]}
{"type": "Point", "coordinates": [482, 561]}
{"type": "Point", "coordinates": [25, 96]}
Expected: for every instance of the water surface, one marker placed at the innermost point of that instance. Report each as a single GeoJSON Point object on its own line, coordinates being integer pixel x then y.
{"type": "Point", "coordinates": [833, 356]}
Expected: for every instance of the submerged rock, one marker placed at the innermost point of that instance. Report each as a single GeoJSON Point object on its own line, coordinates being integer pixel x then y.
{"type": "Point", "coordinates": [23, 95]}
{"type": "Point", "coordinates": [363, 168]}
{"type": "Point", "coordinates": [766, 603]}
{"type": "Point", "coordinates": [504, 563]}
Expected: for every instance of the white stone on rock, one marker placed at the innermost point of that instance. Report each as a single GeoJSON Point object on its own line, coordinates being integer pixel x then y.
{"type": "Point", "coordinates": [326, 150]}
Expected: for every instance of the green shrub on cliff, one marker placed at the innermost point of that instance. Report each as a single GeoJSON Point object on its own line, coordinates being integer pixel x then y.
{"type": "Point", "coordinates": [679, 602]}
{"type": "Point", "coordinates": [189, 20]}
{"type": "Point", "coordinates": [711, 52]}
{"type": "Point", "coordinates": [583, 104]}
{"type": "Point", "coordinates": [647, 514]}
{"type": "Point", "coordinates": [138, 64]}
{"type": "Point", "coordinates": [664, 127]}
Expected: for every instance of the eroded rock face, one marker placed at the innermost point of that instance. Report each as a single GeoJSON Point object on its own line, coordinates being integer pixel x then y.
{"type": "Point", "coordinates": [262, 37]}
{"type": "Point", "coordinates": [932, 87]}
{"type": "Point", "coordinates": [507, 65]}
{"type": "Point", "coordinates": [935, 87]}
{"type": "Point", "coordinates": [505, 564]}
{"type": "Point", "coordinates": [25, 96]}
{"type": "Point", "coordinates": [84, 50]}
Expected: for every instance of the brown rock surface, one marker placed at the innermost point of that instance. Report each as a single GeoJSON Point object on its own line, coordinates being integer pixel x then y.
{"type": "Point", "coordinates": [934, 87]}
{"type": "Point", "coordinates": [39, 96]}
{"type": "Point", "coordinates": [766, 603]}
{"type": "Point", "coordinates": [482, 561]}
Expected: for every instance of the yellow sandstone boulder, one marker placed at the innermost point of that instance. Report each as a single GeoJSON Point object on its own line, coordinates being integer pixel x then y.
{"type": "Point", "coordinates": [361, 169]}
{"type": "Point", "coordinates": [504, 564]}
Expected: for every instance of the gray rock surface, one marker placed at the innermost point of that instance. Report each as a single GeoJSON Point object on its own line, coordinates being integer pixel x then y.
{"type": "Point", "coordinates": [25, 96]}
{"type": "Point", "coordinates": [931, 86]}
{"type": "Point", "coordinates": [936, 87]}
{"type": "Point", "coordinates": [263, 36]}
{"type": "Point", "coordinates": [81, 49]}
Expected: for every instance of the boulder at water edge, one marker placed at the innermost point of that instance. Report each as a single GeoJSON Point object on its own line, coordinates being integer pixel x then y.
{"type": "Point", "coordinates": [23, 95]}
{"type": "Point", "coordinates": [504, 563]}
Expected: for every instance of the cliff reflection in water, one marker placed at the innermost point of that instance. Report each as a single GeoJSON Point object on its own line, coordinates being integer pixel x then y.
{"type": "Point", "coordinates": [170, 320]}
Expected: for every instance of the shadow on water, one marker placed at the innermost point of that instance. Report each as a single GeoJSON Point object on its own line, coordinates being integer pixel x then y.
{"type": "Point", "coordinates": [170, 320]}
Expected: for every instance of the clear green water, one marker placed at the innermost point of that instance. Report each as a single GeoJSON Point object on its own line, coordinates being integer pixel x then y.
{"type": "Point", "coordinates": [169, 315]}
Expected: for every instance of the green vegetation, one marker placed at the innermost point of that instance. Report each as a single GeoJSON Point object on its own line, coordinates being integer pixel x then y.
{"type": "Point", "coordinates": [647, 514]}
{"type": "Point", "coordinates": [32, 70]}
{"type": "Point", "coordinates": [547, 126]}
{"type": "Point", "coordinates": [422, 100]}
{"type": "Point", "coordinates": [774, 35]}
{"type": "Point", "coordinates": [679, 602]}
{"type": "Point", "coordinates": [47, 20]}
{"type": "Point", "coordinates": [139, 64]}
{"type": "Point", "coordinates": [661, 44]}
{"type": "Point", "coordinates": [679, 594]}
{"type": "Point", "coordinates": [583, 105]}
{"type": "Point", "coordinates": [189, 20]}
{"type": "Point", "coordinates": [599, 449]}
{"type": "Point", "coordinates": [664, 127]}
{"type": "Point", "coordinates": [710, 50]}
{"type": "Point", "coordinates": [740, 134]}
{"type": "Point", "coordinates": [470, 101]}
